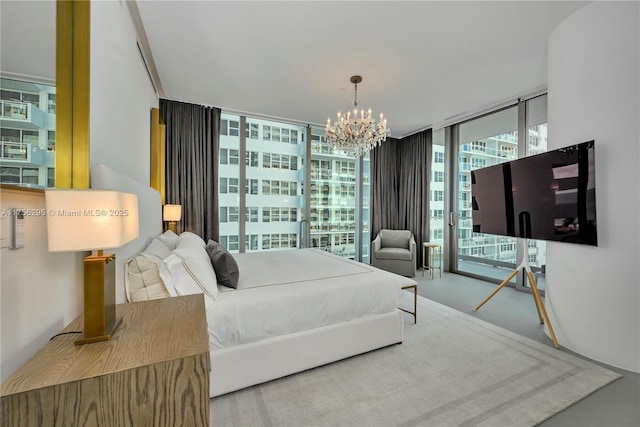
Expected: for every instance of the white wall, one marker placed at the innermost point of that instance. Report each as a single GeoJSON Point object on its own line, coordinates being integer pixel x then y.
{"type": "Point", "coordinates": [122, 94]}
{"type": "Point", "coordinates": [40, 291]}
{"type": "Point", "coordinates": [593, 293]}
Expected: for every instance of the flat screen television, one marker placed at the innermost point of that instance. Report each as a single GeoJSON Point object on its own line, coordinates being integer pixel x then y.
{"type": "Point", "coordinates": [549, 196]}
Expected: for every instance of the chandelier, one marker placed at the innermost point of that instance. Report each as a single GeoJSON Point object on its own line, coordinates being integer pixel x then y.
{"type": "Point", "coordinates": [358, 133]}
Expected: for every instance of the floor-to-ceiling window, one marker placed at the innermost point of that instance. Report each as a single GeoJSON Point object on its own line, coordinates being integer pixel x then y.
{"type": "Point", "coordinates": [229, 182]}
{"type": "Point", "coordinates": [274, 161]}
{"type": "Point", "coordinates": [491, 139]}
{"type": "Point", "coordinates": [366, 209]}
{"type": "Point", "coordinates": [262, 190]}
{"type": "Point", "coordinates": [437, 189]}
{"type": "Point", "coordinates": [482, 142]}
{"type": "Point", "coordinates": [335, 204]}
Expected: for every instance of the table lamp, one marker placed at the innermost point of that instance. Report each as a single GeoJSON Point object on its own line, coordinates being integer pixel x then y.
{"type": "Point", "coordinates": [87, 220]}
{"type": "Point", "coordinates": [172, 214]}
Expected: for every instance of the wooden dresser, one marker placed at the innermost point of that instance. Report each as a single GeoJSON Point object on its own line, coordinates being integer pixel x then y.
{"type": "Point", "coordinates": [154, 371]}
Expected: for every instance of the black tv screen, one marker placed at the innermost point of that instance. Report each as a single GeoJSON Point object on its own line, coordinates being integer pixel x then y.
{"type": "Point", "coordinates": [549, 196]}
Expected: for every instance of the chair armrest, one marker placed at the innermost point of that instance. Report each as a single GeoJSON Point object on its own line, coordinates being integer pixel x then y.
{"type": "Point", "coordinates": [376, 245]}
{"type": "Point", "coordinates": [412, 247]}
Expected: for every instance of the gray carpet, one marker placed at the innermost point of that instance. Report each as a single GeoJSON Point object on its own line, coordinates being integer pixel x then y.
{"type": "Point", "coordinates": [451, 370]}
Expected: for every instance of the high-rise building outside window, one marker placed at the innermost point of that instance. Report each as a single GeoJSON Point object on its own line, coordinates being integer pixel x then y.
{"type": "Point", "coordinates": [27, 133]}
{"type": "Point", "coordinates": [488, 140]}
{"type": "Point", "coordinates": [334, 201]}
{"type": "Point", "coordinates": [274, 186]}
{"type": "Point", "coordinates": [229, 181]}
{"type": "Point", "coordinates": [273, 164]}
{"type": "Point", "coordinates": [485, 141]}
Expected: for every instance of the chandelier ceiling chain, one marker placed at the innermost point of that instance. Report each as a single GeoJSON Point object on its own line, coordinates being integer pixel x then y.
{"type": "Point", "coordinates": [355, 135]}
{"type": "Point", "coordinates": [355, 80]}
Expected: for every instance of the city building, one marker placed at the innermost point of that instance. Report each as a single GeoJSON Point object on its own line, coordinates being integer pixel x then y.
{"type": "Point", "coordinates": [274, 198]}
{"type": "Point", "coordinates": [27, 133]}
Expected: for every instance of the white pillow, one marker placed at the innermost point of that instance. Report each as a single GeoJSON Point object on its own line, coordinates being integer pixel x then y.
{"type": "Point", "coordinates": [165, 275]}
{"type": "Point", "coordinates": [144, 282]}
{"type": "Point", "coordinates": [188, 236]}
{"type": "Point", "coordinates": [155, 253]}
{"type": "Point", "coordinates": [157, 250]}
{"type": "Point", "coordinates": [170, 239]}
{"type": "Point", "coordinates": [191, 272]}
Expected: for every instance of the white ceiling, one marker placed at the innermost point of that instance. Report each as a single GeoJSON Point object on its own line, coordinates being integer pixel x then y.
{"type": "Point", "coordinates": [421, 61]}
{"type": "Point", "coordinates": [28, 40]}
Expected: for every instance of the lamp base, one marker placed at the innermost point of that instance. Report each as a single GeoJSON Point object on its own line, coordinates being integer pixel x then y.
{"type": "Point", "coordinates": [82, 341]}
{"type": "Point", "coordinates": [99, 298]}
{"type": "Point", "coordinates": [106, 337]}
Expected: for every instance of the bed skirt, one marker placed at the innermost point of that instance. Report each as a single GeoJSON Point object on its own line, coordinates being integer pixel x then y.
{"type": "Point", "coordinates": [244, 365]}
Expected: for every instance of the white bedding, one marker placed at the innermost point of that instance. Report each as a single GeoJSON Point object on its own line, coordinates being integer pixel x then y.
{"type": "Point", "coordinates": [235, 367]}
{"type": "Point", "coordinates": [289, 291]}
{"type": "Point", "coordinates": [290, 266]}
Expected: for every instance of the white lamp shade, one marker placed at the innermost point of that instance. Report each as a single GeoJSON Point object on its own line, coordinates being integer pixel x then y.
{"type": "Point", "coordinates": [84, 220]}
{"type": "Point", "coordinates": [172, 212]}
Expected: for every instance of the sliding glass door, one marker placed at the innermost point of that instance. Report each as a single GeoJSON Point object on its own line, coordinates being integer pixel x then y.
{"type": "Point", "coordinates": [507, 134]}
{"type": "Point", "coordinates": [486, 141]}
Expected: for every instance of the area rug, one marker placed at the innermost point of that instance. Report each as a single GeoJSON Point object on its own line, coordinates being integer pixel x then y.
{"type": "Point", "coordinates": [451, 370]}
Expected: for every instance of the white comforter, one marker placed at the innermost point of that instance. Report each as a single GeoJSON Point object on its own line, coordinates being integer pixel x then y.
{"type": "Point", "coordinates": [289, 291]}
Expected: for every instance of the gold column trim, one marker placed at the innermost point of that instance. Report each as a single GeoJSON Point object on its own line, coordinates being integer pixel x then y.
{"type": "Point", "coordinates": [158, 155]}
{"type": "Point", "coordinates": [73, 57]}
{"type": "Point", "coordinates": [81, 91]}
{"type": "Point", "coordinates": [64, 94]}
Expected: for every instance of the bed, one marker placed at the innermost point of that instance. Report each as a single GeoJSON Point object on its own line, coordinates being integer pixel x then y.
{"type": "Point", "coordinates": [290, 311]}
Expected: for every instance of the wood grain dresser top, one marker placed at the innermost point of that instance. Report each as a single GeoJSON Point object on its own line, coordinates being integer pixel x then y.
{"type": "Point", "coordinates": [149, 332]}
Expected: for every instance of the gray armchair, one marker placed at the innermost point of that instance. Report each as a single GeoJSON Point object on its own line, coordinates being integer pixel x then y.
{"type": "Point", "coordinates": [394, 251]}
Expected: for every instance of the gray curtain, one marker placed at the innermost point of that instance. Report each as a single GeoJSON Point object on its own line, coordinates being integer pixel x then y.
{"type": "Point", "coordinates": [192, 146]}
{"type": "Point", "coordinates": [400, 177]}
{"type": "Point", "coordinates": [384, 187]}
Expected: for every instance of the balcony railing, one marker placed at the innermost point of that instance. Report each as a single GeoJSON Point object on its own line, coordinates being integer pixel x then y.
{"type": "Point", "coordinates": [333, 227]}
{"type": "Point", "coordinates": [504, 152]}
{"type": "Point", "coordinates": [14, 109]}
{"type": "Point", "coordinates": [338, 177]}
{"type": "Point", "coordinates": [28, 115]}
{"type": "Point", "coordinates": [14, 150]}
{"type": "Point", "coordinates": [477, 241]}
{"type": "Point", "coordinates": [22, 153]}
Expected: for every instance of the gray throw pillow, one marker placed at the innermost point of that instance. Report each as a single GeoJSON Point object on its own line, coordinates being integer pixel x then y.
{"type": "Point", "coordinates": [213, 246]}
{"type": "Point", "coordinates": [224, 264]}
